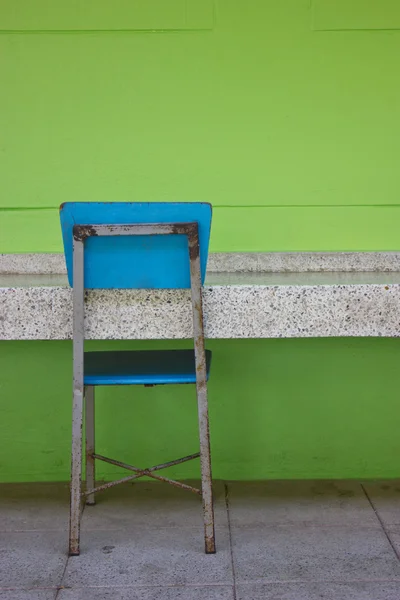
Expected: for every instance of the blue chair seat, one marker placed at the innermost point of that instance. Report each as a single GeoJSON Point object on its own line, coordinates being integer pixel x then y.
{"type": "Point", "coordinates": [141, 367]}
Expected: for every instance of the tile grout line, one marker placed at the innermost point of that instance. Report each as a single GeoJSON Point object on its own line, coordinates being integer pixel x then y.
{"type": "Point", "coordinates": [60, 585]}
{"type": "Point", "coordinates": [230, 540]}
{"type": "Point", "coordinates": [381, 523]}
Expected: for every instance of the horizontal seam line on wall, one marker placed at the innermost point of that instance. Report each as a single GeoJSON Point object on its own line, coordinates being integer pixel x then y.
{"type": "Point", "coordinates": [89, 31]}
{"type": "Point", "coordinates": [230, 206]}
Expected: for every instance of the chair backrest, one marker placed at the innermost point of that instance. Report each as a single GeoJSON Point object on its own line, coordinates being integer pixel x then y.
{"type": "Point", "coordinates": [132, 261]}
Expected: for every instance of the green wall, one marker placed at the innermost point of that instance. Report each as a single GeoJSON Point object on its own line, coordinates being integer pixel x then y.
{"type": "Point", "coordinates": [286, 116]}
{"type": "Point", "coordinates": [279, 409]}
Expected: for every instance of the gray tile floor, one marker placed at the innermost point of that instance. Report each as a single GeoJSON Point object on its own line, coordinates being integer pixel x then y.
{"type": "Point", "coordinates": [275, 541]}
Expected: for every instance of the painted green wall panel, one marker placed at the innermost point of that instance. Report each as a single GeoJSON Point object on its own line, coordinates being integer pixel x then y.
{"type": "Point", "coordinates": [236, 229]}
{"type": "Point", "coordinates": [92, 15]}
{"type": "Point", "coordinates": [279, 409]}
{"type": "Point", "coordinates": [294, 136]}
{"type": "Point", "coordinates": [262, 110]}
{"type": "Point", "coordinates": [356, 14]}
{"type": "Point", "coordinates": [297, 229]}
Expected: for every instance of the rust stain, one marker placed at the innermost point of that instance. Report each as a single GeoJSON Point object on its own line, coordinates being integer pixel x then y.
{"type": "Point", "coordinates": [177, 229]}
{"type": "Point", "coordinates": [210, 544]}
{"type": "Point", "coordinates": [193, 250]}
{"type": "Point", "coordinates": [81, 232]}
{"type": "Point", "coordinates": [184, 228]}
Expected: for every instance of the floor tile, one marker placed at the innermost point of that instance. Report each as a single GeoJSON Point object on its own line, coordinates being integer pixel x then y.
{"type": "Point", "coordinates": [150, 593]}
{"type": "Point", "coordinates": [32, 559]}
{"type": "Point", "coordinates": [385, 497]}
{"type": "Point", "coordinates": [165, 556]}
{"type": "Point", "coordinates": [289, 502]}
{"type": "Point", "coordinates": [320, 591]}
{"type": "Point", "coordinates": [27, 506]}
{"type": "Point", "coordinates": [393, 533]}
{"type": "Point", "coordinates": [150, 504]}
{"type": "Point", "coordinates": [294, 553]}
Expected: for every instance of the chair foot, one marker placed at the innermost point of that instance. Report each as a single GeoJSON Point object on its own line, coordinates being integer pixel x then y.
{"type": "Point", "coordinates": [209, 541]}
{"type": "Point", "coordinates": [74, 550]}
{"type": "Point", "coordinates": [74, 540]}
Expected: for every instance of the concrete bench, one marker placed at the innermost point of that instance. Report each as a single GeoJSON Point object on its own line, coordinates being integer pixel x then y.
{"type": "Point", "coordinates": [266, 295]}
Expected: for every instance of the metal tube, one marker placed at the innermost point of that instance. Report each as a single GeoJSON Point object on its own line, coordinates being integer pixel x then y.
{"type": "Point", "coordinates": [77, 409]}
{"type": "Point", "coordinates": [90, 442]}
{"type": "Point", "coordinates": [110, 484]}
{"type": "Point", "coordinates": [201, 388]}
{"type": "Point", "coordinates": [177, 484]}
{"type": "Point", "coordinates": [170, 463]}
{"type": "Point", "coordinates": [105, 486]}
{"type": "Point", "coordinates": [84, 231]}
{"type": "Point", "coordinates": [150, 471]}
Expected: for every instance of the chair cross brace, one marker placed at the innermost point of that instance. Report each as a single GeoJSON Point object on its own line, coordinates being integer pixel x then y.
{"type": "Point", "coordinates": [142, 472]}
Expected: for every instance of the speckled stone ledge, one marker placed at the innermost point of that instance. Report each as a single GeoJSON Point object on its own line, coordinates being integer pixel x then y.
{"type": "Point", "coordinates": [254, 262]}
{"type": "Point", "coordinates": [269, 305]}
{"type": "Point", "coordinates": [32, 264]}
{"type": "Point", "coordinates": [302, 262]}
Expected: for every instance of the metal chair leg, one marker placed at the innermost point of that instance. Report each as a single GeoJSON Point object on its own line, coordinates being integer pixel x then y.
{"type": "Point", "coordinates": [206, 476]}
{"type": "Point", "coordinates": [201, 388]}
{"type": "Point", "coordinates": [90, 442]}
{"type": "Point", "coordinates": [76, 472]}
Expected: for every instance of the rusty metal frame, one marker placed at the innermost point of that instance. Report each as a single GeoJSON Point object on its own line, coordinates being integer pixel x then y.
{"type": "Point", "coordinates": [149, 472]}
{"type": "Point", "coordinates": [90, 442]}
{"type": "Point", "coordinates": [80, 392]}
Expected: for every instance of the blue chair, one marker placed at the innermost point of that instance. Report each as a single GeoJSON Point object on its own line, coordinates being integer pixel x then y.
{"type": "Point", "coordinates": [136, 245]}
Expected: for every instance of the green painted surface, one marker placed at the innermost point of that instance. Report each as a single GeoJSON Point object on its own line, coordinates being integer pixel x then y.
{"type": "Point", "coordinates": [293, 135]}
{"type": "Point", "coordinates": [119, 15]}
{"type": "Point", "coordinates": [356, 14]}
{"type": "Point", "coordinates": [262, 110]}
{"type": "Point", "coordinates": [279, 408]}
{"type": "Point", "coordinates": [241, 229]}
